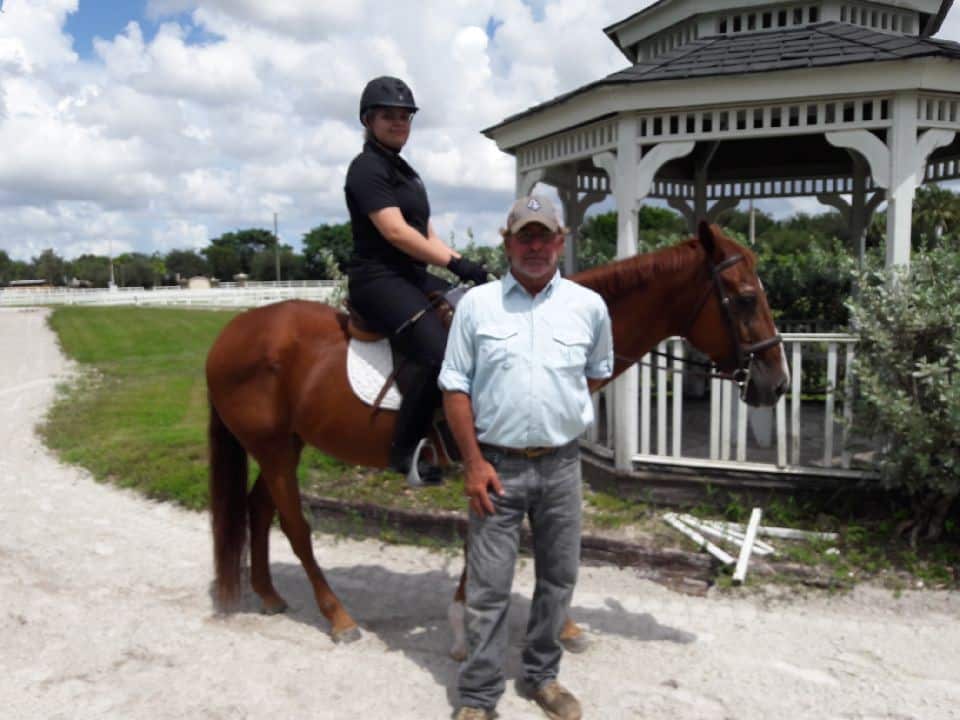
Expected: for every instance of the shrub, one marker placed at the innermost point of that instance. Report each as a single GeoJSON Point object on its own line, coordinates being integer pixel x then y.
{"type": "Point", "coordinates": [909, 385]}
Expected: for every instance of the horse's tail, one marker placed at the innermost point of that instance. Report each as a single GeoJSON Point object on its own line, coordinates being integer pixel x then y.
{"type": "Point", "coordinates": [228, 510]}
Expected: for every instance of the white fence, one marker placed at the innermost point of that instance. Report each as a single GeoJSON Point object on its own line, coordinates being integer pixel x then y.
{"type": "Point", "coordinates": [227, 295]}
{"type": "Point", "coordinates": [681, 425]}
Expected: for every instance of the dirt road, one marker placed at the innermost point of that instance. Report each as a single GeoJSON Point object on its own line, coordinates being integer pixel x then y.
{"type": "Point", "coordinates": [105, 612]}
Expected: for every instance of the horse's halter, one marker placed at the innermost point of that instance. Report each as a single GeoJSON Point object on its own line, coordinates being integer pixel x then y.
{"type": "Point", "coordinates": [743, 354]}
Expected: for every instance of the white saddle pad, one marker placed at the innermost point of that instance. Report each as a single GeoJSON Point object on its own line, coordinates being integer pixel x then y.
{"type": "Point", "coordinates": [369, 364]}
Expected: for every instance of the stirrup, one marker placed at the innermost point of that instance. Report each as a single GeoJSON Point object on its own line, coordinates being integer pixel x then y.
{"type": "Point", "coordinates": [414, 479]}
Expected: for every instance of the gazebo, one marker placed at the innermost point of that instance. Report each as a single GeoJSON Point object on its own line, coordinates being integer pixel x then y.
{"type": "Point", "coordinates": [725, 101]}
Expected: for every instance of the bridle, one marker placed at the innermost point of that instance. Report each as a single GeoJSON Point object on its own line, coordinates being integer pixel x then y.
{"type": "Point", "coordinates": [743, 353]}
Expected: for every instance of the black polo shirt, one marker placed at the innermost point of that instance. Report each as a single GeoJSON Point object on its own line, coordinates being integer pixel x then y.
{"type": "Point", "coordinates": [379, 178]}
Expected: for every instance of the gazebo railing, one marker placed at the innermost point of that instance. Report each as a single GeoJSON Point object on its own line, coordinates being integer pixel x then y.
{"type": "Point", "coordinates": [685, 421]}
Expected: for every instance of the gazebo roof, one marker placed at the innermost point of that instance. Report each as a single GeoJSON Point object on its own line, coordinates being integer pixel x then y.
{"type": "Point", "coordinates": [820, 45]}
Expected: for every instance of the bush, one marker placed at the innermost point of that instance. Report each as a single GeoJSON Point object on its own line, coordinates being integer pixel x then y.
{"type": "Point", "coordinates": [909, 388]}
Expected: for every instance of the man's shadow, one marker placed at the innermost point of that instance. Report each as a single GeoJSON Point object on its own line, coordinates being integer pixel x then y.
{"type": "Point", "coordinates": [408, 613]}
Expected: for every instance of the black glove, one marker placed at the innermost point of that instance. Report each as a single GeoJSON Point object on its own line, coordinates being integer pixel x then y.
{"type": "Point", "coordinates": [468, 270]}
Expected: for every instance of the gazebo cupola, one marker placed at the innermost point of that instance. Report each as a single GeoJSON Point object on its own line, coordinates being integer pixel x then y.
{"type": "Point", "coordinates": [725, 101]}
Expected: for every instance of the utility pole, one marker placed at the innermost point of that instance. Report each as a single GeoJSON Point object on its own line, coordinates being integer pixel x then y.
{"type": "Point", "coordinates": [276, 246]}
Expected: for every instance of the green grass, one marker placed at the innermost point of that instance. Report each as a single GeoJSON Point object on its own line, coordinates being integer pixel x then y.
{"type": "Point", "coordinates": [137, 414]}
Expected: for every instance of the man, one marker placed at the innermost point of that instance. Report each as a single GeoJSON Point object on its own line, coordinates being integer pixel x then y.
{"type": "Point", "coordinates": [522, 357]}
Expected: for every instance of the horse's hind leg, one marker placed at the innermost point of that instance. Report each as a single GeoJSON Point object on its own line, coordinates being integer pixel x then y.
{"type": "Point", "coordinates": [280, 472]}
{"type": "Point", "coordinates": [262, 511]}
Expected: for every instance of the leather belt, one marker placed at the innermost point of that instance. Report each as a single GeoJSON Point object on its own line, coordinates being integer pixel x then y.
{"type": "Point", "coordinates": [529, 453]}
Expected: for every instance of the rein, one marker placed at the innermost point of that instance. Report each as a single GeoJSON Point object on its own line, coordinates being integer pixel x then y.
{"type": "Point", "coordinates": [744, 354]}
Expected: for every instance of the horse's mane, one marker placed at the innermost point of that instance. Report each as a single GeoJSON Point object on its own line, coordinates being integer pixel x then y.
{"type": "Point", "coordinates": [616, 278]}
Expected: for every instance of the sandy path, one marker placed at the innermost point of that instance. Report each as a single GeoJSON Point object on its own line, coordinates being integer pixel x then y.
{"type": "Point", "coordinates": [106, 614]}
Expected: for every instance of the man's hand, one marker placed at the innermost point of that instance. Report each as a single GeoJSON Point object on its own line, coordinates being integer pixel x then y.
{"type": "Point", "coordinates": [481, 478]}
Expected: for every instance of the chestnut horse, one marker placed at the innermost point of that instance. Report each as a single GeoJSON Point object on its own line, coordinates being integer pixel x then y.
{"type": "Point", "coordinates": [276, 378]}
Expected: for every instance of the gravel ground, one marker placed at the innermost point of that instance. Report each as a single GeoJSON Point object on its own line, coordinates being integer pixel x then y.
{"type": "Point", "coordinates": [106, 613]}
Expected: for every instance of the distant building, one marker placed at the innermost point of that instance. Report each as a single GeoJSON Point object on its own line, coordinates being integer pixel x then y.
{"type": "Point", "coordinates": [29, 285]}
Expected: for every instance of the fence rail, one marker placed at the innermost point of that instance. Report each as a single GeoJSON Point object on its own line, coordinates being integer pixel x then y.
{"type": "Point", "coordinates": [686, 422]}
{"type": "Point", "coordinates": [227, 295]}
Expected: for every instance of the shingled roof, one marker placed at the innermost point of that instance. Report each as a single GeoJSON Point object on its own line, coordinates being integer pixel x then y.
{"type": "Point", "coordinates": [819, 45]}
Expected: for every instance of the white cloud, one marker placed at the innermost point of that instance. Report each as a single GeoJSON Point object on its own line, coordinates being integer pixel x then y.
{"type": "Point", "coordinates": [232, 110]}
{"type": "Point", "coordinates": [180, 235]}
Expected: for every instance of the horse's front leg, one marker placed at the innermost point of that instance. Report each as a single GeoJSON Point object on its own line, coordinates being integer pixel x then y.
{"type": "Point", "coordinates": [280, 471]}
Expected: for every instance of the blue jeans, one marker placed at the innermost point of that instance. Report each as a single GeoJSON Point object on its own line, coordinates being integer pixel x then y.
{"type": "Point", "coordinates": [548, 490]}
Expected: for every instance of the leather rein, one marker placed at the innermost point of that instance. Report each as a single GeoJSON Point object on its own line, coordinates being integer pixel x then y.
{"type": "Point", "coordinates": [743, 353]}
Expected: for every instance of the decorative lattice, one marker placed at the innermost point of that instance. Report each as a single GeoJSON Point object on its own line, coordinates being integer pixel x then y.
{"type": "Point", "coordinates": [768, 19]}
{"type": "Point", "coordinates": [794, 118]}
{"type": "Point", "coordinates": [581, 142]}
{"type": "Point", "coordinates": [878, 18]}
{"type": "Point", "coordinates": [939, 111]}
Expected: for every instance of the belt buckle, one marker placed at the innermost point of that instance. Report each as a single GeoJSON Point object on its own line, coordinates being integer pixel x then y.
{"type": "Point", "coordinates": [534, 452]}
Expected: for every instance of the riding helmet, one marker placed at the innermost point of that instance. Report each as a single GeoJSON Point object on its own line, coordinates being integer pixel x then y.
{"type": "Point", "coordinates": [386, 91]}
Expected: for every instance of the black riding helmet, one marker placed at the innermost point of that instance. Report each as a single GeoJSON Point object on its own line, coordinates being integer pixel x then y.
{"type": "Point", "coordinates": [386, 91]}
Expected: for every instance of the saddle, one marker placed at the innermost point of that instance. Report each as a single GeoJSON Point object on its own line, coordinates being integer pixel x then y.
{"type": "Point", "coordinates": [361, 331]}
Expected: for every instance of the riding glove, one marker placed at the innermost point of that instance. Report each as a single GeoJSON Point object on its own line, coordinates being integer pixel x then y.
{"type": "Point", "coordinates": [468, 270]}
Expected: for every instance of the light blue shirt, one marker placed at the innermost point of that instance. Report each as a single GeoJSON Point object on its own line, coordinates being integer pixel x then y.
{"type": "Point", "coordinates": [524, 360]}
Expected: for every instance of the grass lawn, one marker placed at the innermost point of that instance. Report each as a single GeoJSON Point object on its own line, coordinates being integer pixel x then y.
{"type": "Point", "coordinates": [137, 416]}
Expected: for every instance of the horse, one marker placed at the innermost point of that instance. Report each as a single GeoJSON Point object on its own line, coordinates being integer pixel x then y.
{"type": "Point", "coordinates": [277, 380]}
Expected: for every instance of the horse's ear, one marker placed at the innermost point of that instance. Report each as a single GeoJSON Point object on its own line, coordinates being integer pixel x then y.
{"type": "Point", "coordinates": [705, 233]}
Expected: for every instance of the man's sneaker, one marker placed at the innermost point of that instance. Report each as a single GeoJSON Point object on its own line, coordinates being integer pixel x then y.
{"type": "Point", "coordinates": [473, 713]}
{"type": "Point", "coordinates": [557, 702]}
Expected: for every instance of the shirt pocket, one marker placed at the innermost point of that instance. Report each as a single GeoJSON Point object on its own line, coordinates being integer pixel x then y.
{"type": "Point", "coordinates": [568, 350]}
{"type": "Point", "coordinates": [497, 344]}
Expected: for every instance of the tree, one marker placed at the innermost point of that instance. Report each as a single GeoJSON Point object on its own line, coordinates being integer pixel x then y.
{"type": "Point", "coordinates": [264, 265]}
{"type": "Point", "coordinates": [135, 270]}
{"type": "Point", "coordinates": [50, 267]}
{"type": "Point", "coordinates": [94, 269]}
{"type": "Point", "coordinates": [233, 252]}
{"type": "Point", "coordinates": [324, 244]}
{"type": "Point", "coordinates": [936, 216]}
{"type": "Point", "coordinates": [185, 264]}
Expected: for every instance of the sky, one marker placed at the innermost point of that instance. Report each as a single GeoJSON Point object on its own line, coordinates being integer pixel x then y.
{"type": "Point", "coordinates": [152, 125]}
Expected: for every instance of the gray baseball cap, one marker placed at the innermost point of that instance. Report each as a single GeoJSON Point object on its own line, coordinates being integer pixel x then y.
{"type": "Point", "coordinates": [532, 208]}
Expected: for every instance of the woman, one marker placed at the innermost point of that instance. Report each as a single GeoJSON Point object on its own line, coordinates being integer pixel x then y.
{"type": "Point", "coordinates": [393, 242]}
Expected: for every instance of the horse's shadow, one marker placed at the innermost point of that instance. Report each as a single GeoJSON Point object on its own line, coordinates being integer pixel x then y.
{"type": "Point", "coordinates": [408, 613]}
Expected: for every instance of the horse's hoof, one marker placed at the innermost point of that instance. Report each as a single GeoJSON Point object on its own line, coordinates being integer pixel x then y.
{"type": "Point", "coordinates": [576, 643]}
{"type": "Point", "coordinates": [274, 608]}
{"type": "Point", "coordinates": [351, 634]}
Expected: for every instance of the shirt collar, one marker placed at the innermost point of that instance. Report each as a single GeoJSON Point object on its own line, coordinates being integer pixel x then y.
{"type": "Point", "coordinates": [371, 146]}
{"type": "Point", "coordinates": [509, 283]}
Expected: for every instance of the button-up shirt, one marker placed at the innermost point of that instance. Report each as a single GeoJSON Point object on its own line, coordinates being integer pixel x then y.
{"type": "Point", "coordinates": [524, 360]}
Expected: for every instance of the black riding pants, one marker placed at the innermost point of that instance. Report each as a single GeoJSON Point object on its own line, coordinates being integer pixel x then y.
{"type": "Point", "coordinates": [387, 300]}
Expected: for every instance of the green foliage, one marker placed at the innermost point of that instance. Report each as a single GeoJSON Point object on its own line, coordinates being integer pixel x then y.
{"type": "Point", "coordinates": [13, 269]}
{"type": "Point", "coordinates": [327, 249]}
{"type": "Point", "coordinates": [263, 266]}
{"type": "Point", "coordinates": [93, 269]}
{"type": "Point", "coordinates": [138, 270]}
{"type": "Point", "coordinates": [936, 218]}
{"type": "Point", "coordinates": [233, 252]}
{"type": "Point", "coordinates": [51, 267]}
{"type": "Point", "coordinates": [186, 264]}
{"type": "Point", "coordinates": [908, 369]}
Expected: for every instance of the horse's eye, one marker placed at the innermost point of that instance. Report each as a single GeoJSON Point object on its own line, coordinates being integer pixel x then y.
{"type": "Point", "coordinates": [746, 303]}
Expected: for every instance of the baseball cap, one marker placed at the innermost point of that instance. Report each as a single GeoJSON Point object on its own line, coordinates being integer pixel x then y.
{"type": "Point", "coordinates": [532, 208]}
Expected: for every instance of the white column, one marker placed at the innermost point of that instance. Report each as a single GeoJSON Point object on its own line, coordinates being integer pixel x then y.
{"type": "Point", "coordinates": [902, 143]}
{"type": "Point", "coordinates": [627, 386]}
{"type": "Point", "coordinates": [858, 208]}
